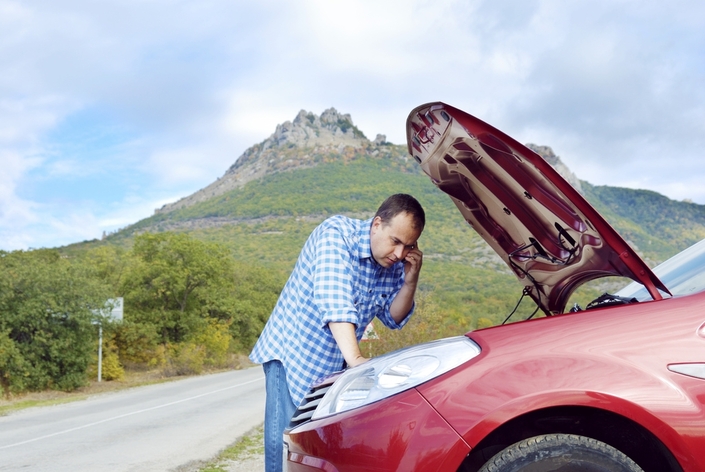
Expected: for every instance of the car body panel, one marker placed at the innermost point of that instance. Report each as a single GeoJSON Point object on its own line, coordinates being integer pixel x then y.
{"type": "Point", "coordinates": [545, 231]}
{"type": "Point", "coordinates": [628, 375]}
{"type": "Point", "coordinates": [528, 367]}
{"type": "Point", "coordinates": [361, 440]}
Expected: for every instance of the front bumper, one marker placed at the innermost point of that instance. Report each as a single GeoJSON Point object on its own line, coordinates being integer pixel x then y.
{"type": "Point", "coordinates": [400, 433]}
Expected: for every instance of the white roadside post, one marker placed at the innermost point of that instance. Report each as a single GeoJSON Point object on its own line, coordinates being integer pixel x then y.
{"type": "Point", "coordinates": [100, 351]}
{"type": "Point", "coordinates": [113, 312]}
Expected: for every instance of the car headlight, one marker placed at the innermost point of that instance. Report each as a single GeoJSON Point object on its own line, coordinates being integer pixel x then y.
{"type": "Point", "coordinates": [395, 372]}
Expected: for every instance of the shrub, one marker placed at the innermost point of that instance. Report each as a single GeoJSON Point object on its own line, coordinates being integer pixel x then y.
{"type": "Point", "coordinates": [484, 323]}
{"type": "Point", "coordinates": [185, 358]}
{"type": "Point", "coordinates": [215, 338]}
{"type": "Point", "coordinates": [12, 366]}
{"type": "Point", "coordinates": [138, 343]}
{"type": "Point", "coordinates": [112, 369]}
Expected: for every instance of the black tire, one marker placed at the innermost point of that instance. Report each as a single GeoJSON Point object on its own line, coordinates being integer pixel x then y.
{"type": "Point", "coordinates": [560, 453]}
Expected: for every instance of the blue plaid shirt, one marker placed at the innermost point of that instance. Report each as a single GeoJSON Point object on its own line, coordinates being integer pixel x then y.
{"type": "Point", "coordinates": [335, 279]}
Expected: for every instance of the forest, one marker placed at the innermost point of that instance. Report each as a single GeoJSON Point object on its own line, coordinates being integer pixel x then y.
{"type": "Point", "coordinates": [188, 306]}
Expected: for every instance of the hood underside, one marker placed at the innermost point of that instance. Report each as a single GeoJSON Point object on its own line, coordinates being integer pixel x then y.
{"type": "Point", "coordinates": [546, 232]}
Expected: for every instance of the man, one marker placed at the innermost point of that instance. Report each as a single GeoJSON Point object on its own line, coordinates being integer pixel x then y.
{"type": "Point", "coordinates": [348, 272]}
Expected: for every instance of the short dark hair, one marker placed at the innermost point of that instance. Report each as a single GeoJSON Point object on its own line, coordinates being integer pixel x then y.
{"type": "Point", "coordinates": [402, 203]}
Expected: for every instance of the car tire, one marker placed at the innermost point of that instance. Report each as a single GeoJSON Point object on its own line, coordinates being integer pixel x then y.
{"type": "Point", "coordinates": [560, 452]}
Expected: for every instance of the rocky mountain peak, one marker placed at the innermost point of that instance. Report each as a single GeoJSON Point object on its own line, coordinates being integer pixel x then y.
{"type": "Point", "coordinates": [310, 130]}
{"type": "Point", "coordinates": [294, 144]}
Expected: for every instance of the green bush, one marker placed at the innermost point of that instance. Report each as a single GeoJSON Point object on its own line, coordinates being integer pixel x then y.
{"type": "Point", "coordinates": [185, 358]}
{"type": "Point", "coordinates": [13, 369]}
{"type": "Point", "coordinates": [484, 323]}
{"type": "Point", "coordinates": [215, 339]}
{"type": "Point", "coordinates": [138, 343]}
{"type": "Point", "coordinates": [111, 368]}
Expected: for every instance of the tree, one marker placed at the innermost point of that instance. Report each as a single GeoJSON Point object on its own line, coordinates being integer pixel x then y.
{"type": "Point", "coordinates": [176, 282]}
{"type": "Point", "coordinates": [109, 264]}
{"type": "Point", "coordinates": [46, 308]}
{"type": "Point", "coordinates": [254, 293]}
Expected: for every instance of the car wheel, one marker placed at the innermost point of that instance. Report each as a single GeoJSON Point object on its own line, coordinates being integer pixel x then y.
{"type": "Point", "coordinates": [560, 453]}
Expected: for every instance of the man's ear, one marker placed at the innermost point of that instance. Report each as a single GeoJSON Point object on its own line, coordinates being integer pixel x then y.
{"type": "Point", "coordinates": [376, 223]}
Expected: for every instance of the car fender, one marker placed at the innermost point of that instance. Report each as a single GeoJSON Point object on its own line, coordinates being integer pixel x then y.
{"type": "Point", "coordinates": [503, 394]}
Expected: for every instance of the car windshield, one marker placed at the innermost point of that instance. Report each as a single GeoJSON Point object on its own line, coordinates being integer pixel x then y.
{"type": "Point", "coordinates": [683, 274]}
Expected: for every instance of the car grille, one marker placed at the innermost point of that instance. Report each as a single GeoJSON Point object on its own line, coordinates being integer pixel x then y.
{"type": "Point", "coordinates": [310, 402]}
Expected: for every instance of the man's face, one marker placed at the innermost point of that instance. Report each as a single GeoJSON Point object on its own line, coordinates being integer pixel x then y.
{"type": "Point", "coordinates": [391, 242]}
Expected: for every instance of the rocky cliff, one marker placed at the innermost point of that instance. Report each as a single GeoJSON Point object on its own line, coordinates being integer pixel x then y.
{"type": "Point", "coordinates": [547, 153]}
{"type": "Point", "coordinates": [303, 142]}
{"type": "Point", "coordinates": [311, 139]}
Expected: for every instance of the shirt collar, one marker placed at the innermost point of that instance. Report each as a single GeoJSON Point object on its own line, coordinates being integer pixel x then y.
{"type": "Point", "coordinates": [364, 248]}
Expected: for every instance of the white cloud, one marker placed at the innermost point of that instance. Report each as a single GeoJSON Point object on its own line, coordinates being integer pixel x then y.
{"type": "Point", "coordinates": [131, 210]}
{"type": "Point", "coordinates": [176, 166]}
{"type": "Point", "coordinates": [14, 211]}
{"type": "Point", "coordinates": [108, 106]}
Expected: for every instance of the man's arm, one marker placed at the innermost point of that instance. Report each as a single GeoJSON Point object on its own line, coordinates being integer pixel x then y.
{"type": "Point", "coordinates": [344, 335]}
{"type": "Point", "coordinates": [404, 300]}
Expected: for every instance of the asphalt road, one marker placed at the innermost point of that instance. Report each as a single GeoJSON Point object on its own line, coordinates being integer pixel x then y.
{"type": "Point", "coordinates": [159, 427]}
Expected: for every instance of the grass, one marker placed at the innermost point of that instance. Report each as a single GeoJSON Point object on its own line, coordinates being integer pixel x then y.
{"type": "Point", "coordinates": [55, 397]}
{"type": "Point", "coordinates": [133, 378]}
{"type": "Point", "coordinates": [29, 403]}
{"type": "Point", "coordinates": [250, 445]}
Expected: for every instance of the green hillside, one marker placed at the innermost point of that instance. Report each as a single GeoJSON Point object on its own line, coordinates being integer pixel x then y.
{"type": "Point", "coordinates": [658, 226]}
{"type": "Point", "coordinates": [266, 222]}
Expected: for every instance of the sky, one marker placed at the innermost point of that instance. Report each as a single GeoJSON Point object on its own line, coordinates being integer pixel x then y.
{"type": "Point", "coordinates": [109, 109]}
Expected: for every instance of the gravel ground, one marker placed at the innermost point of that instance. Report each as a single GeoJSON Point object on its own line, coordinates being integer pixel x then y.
{"type": "Point", "coordinates": [246, 455]}
{"type": "Point", "coordinates": [250, 464]}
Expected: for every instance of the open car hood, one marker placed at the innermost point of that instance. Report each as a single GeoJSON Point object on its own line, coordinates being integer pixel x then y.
{"type": "Point", "coordinates": [546, 232]}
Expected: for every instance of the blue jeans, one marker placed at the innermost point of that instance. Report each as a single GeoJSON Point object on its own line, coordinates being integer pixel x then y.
{"type": "Point", "coordinates": [278, 410]}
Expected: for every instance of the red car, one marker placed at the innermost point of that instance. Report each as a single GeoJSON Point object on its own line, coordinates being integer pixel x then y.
{"type": "Point", "coordinates": [618, 386]}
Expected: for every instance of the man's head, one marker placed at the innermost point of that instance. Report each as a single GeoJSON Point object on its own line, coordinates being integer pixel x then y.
{"type": "Point", "coordinates": [396, 228]}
